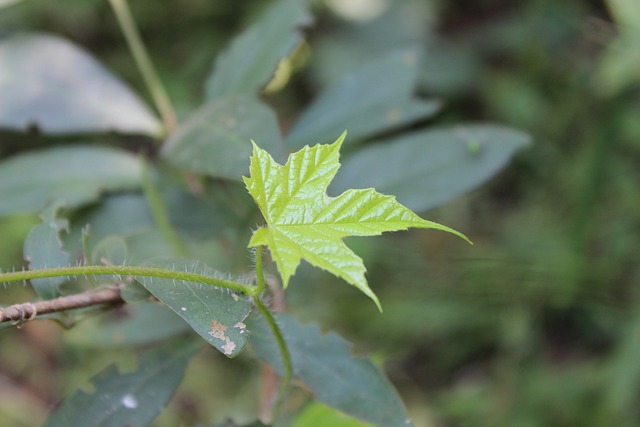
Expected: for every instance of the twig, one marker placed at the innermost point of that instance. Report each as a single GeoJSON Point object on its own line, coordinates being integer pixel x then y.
{"type": "Point", "coordinates": [30, 310]}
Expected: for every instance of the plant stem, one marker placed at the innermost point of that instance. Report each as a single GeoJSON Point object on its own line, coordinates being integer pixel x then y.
{"type": "Point", "coordinates": [122, 270]}
{"type": "Point", "coordinates": [260, 284]}
{"type": "Point", "coordinates": [28, 311]}
{"type": "Point", "coordinates": [277, 332]}
{"type": "Point", "coordinates": [159, 211]}
{"type": "Point", "coordinates": [143, 61]}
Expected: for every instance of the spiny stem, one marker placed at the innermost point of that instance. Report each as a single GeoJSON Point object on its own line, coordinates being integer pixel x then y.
{"type": "Point", "coordinates": [143, 61]}
{"type": "Point", "coordinates": [122, 270]}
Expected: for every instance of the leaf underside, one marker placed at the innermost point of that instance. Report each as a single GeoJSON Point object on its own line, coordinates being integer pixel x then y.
{"type": "Point", "coordinates": [303, 222]}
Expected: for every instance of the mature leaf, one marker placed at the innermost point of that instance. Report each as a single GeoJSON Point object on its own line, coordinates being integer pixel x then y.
{"type": "Point", "coordinates": [303, 222]}
{"type": "Point", "coordinates": [375, 97]}
{"type": "Point", "coordinates": [216, 314]}
{"type": "Point", "coordinates": [428, 168]}
{"type": "Point", "coordinates": [54, 85]}
{"type": "Point", "coordinates": [323, 362]}
{"type": "Point", "coordinates": [43, 249]}
{"type": "Point", "coordinates": [130, 399]}
{"type": "Point", "coordinates": [215, 140]}
{"type": "Point", "coordinates": [75, 175]}
{"type": "Point", "coordinates": [252, 58]}
{"type": "Point", "coordinates": [138, 324]}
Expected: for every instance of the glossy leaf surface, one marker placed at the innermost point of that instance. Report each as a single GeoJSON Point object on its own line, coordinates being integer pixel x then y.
{"type": "Point", "coordinates": [215, 141]}
{"type": "Point", "coordinates": [131, 399]}
{"type": "Point", "coordinates": [303, 222]}
{"type": "Point", "coordinates": [248, 64]}
{"type": "Point", "coordinates": [75, 175]}
{"type": "Point", "coordinates": [428, 168]}
{"type": "Point", "coordinates": [54, 85]}
{"type": "Point", "coordinates": [216, 314]}
{"type": "Point", "coordinates": [323, 362]}
{"type": "Point", "coordinates": [372, 98]}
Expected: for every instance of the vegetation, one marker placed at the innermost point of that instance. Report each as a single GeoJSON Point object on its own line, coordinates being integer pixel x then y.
{"type": "Point", "coordinates": [127, 215]}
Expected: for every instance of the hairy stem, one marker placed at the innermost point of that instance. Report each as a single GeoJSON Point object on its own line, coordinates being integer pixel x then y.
{"type": "Point", "coordinates": [122, 270]}
{"type": "Point", "coordinates": [143, 61]}
{"type": "Point", "coordinates": [28, 311]}
{"type": "Point", "coordinates": [277, 332]}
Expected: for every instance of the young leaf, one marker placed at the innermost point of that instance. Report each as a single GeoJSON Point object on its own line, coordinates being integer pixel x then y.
{"type": "Point", "coordinates": [323, 362]}
{"type": "Point", "coordinates": [304, 223]}
{"type": "Point", "coordinates": [130, 399]}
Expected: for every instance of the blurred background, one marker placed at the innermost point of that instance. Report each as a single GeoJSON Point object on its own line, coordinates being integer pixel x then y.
{"type": "Point", "coordinates": [537, 324]}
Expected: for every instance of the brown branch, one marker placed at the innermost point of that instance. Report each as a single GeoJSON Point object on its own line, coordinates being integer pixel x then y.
{"type": "Point", "coordinates": [30, 310]}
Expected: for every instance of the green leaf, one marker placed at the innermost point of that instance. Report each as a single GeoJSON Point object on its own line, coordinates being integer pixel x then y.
{"type": "Point", "coordinates": [43, 249]}
{"type": "Point", "coordinates": [52, 84]}
{"type": "Point", "coordinates": [216, 314]}
{"type": "Point", "coordinates": [251, 60]}
{"type": "Point", "coordinates": [428, 168]}
{"type": "Point", "coordinates": [374, 98]}
{"type": "Point", "coordinates": [75, 175]}
{"type": "Point", "coordinates": [215, 140]}
{"type": "Point", "coordinates": [304, 223]}
{"type": "Point", "coordinates": [138, 324]}
{"type": "Point", "coordinates": [317, 414]}
{"type": "Point", "coordinates": [323, 362]}
{"type": "Point", "coordinates": [130, 399]}
{"type": "Point", "coordinates": [112, 250]}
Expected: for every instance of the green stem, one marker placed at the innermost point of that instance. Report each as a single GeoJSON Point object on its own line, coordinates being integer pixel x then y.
{"type": "Point", "coordinates": [159, 212]}
{"type": "Point", "coordinates": [277, 332]}
{"type": "Point", "coordinates": [116, 270]}
{"type": "Point", "coordinates": [260, 285]}
{"type": "Point", "coordinates": [143, 61]}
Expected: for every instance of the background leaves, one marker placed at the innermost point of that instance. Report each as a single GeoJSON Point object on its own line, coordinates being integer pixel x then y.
{"type": "Point", "coordinates": [53, 85]}
{"type": "Point", "coordinates": [133, 399]}
{"type": "Point", "coordinates": [325, 364]}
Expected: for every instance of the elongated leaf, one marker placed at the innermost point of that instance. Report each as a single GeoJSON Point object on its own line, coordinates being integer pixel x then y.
{"type": "Point", "coordinates": [75, 175]}
{"type": "Point", "coordinates": [373, 98]}
{"type": "Point", "coordinates": [43, 249]}
{"type": "Point", "coordinates": [216, 140]}
{"type": "Point", "coordinates": [303, 222]}
{"type": "Point", "coordinates": [323, 362]}
{"type": "Point", "coordinates": [426, 169]}
{"type": "Point", "coordinates": [252, 58]}
{"type": "Point", "coordinates": [130, 399]}
{"type": "Point", "coordinates": [52, 84]}
{"type": "Point", "coordinates": [217, 315]}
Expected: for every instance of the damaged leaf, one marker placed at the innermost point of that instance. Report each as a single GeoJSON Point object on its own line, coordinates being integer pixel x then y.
{"type": "Point", "coordinates": [216, 314]}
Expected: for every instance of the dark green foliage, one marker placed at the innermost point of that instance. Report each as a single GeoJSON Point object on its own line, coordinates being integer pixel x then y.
{"type": "Point", "coordinates": [132, 399]}
{"type": "Point", "coordinates": [535, 325]}
{"type": "Point", "coordinates": [324, 363]}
